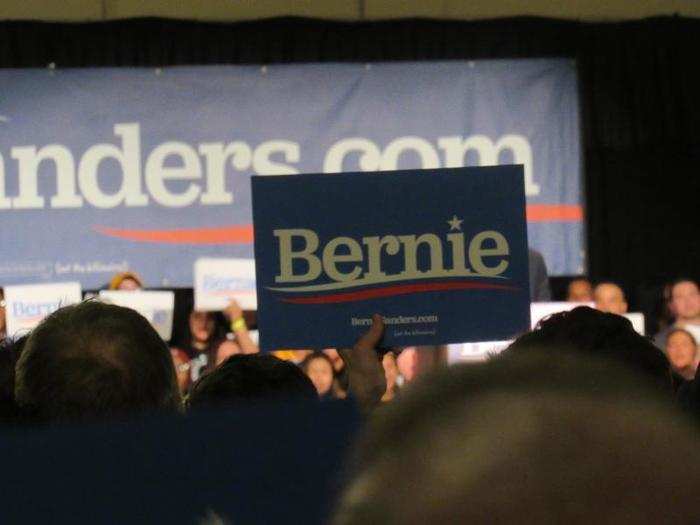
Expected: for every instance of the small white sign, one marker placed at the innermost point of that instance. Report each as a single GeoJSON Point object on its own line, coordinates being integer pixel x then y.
{"type": "Point", "coordinates": [216, 281]}
{"type": "Point", "coordinates": [539, 311]}
{"type": "Point", "coordinates": [27, 305]}
{"type": "Point", "coordinates": [475, 352]}
{"type": "Point", "coordinates": [481, 351]}
{"type": "Point", "coordinates": [156, 306]}
{"type": "Point", "coordinates": [693, 329]}
{"type": "Point", "coordinates": [637, 320]}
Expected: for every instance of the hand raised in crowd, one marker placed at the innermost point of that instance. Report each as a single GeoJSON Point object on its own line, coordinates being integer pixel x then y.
{"type": "Point", "coordinates": [366, 378]}
{"type": "Point", "coordinates": [234, 313]}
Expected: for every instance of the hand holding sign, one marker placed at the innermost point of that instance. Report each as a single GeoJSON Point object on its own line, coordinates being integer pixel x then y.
{"type": "Point", "coordinates": [366, 377]}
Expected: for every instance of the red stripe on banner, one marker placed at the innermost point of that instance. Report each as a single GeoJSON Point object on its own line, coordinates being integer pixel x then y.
{"type": "Point", "coordinates": [242, 234]}
{"type": "Point", "coordinates": [398, 289]}
{"type": "Point", "coordinates": [554, 213]}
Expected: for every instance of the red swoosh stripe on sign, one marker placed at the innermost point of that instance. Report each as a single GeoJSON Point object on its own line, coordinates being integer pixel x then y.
{"type": "Point", "coordinates": [390, 291]}
{"type": "Point", "coordinates": [242, 234]}
{"type": "Point", "coordinates": [554, 213]}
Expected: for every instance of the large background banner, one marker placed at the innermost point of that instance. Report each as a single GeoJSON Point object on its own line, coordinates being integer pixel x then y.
{"type": "Point", "coordinates": [107, 169]}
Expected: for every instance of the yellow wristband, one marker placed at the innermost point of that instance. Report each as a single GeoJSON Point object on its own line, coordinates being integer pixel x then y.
{"type": "Point", "coordinates": [238, 325]}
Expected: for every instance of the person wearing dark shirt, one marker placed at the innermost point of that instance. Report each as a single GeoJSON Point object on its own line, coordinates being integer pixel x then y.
{"type": "Point", "coordinates": [539, 279]}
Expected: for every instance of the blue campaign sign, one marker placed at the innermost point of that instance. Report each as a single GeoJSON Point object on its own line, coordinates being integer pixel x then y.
{"type": "Point", "coordinates": [104, 170]}
{"type": "Point", "coordinates": [441, 254]}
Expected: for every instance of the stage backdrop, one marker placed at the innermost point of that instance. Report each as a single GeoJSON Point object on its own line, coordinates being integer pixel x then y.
{"type": "Point", "coordinates": [107, 169]}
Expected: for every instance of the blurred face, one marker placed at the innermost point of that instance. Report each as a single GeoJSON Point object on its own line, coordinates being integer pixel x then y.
{"type": "Point", "coordinates": [335, 358]}
{"type": "Point", "coordinates": [320, 372]}
{"type": "Point", "coordinates": [685, 301]}
{"type": "Point", "coordinates": [610, 298]}
{"type": "Point", "coordinates": [129, 284]}
{"type": "Point", "coordinates": [407, 363]}
{"type": "Point", "coordinates": [391, 372]}
{"type": "Point", "coordinates": [201, 326]}
{"type": "Point", "coordinates": [580, 291]}
{"type": "Point", "coordinates": [681, 350]}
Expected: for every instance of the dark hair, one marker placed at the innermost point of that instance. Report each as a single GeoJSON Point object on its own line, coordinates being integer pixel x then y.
{"type": "Point", "coordinates": [251, 377]}
{"type": "Point", "coordinates": [10, 350]}
{"type": "Point", "coordinates": [597, 334]}
{"type": "Point", "coordinates": [94, 360]}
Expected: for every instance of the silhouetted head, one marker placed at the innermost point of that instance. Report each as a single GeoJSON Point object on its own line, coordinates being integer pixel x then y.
{"type": "Point", "coordinates": [94, 360]}
{"type": "Point", "coordinates": [246, 378]}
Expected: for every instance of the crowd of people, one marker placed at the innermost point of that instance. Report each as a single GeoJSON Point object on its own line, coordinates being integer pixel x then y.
{"type": "Point", "coordinates": [209, 338]}
{"type": "Point", "coordinates": [576, 374]}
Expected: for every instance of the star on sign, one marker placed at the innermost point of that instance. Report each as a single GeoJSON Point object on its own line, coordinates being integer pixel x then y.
{"type": "Point", "coordinates": [455, 223]}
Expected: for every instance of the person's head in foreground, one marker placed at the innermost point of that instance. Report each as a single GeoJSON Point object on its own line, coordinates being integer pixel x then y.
{"type": "Point", "coordinates": [543, 437]}
{"type": "Point", "coordinates": [579, 291]}
{"type": "Point", "coordinates": [597, 334]}
{"type": "Point", "coordinates": [682, 352]}
{"type": "Point", "coordinates": [319, 368]}
{"type": "Point", "coordinates": [246, 378]}
{"type": "Point", "coordinates": [94, 361]}
{"type": "Point", "coordinates": [610, 298]}
{"type": "Point", "coordinates": [126, 281]}
{"type": "Point", "coordinates": [685, 301]}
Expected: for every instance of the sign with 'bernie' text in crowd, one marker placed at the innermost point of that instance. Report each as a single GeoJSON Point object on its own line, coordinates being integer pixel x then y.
{"type": "Point", "coordinates": [441, 254]}
{"type": "Point", "coordinates": [27, 305]}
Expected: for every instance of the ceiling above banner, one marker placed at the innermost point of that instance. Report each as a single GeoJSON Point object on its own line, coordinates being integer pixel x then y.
{"type": "Point", "coordinates": [236, 10]}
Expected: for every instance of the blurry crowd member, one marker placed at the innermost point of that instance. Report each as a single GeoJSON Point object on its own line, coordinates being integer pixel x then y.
{"type": "Point", "coordinates": [579, 291]}
{"type": "Point", "coordinates": [407, 364]}
{"type": "Point", "coordinates": [126, 281]}
{"type": "Point", "coordinates": [91, 361]}
{"type": "Point", "coordinates": [181, 361]}
{"type": "Point", "coordinates": [10, 350]}
{"type": "Point", "coordinates": [685, 306]}
{"type": "Point", "coordinates": [549, 437]}
{"type": "Point", "coordinates": [391, 373]}
{"type": "Point", "coordinates": [610, 298]}
{"type": "Point", "coordinates": [200, 342]}
{"type": "Point", "coordinates": [3, 330]}
{"type": "Point", "coordinates": [207, 343]}
{"type": "Point", "coordinates": [340, 372]}
{"type": "Point", "coordinates": [539, 280]}
{"type": "Point", "coordinates": [319, 368]}
{"type": "Point", "coordinates": [415, 361]}
{"type": "Point", "coordinates": [682, 352]}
